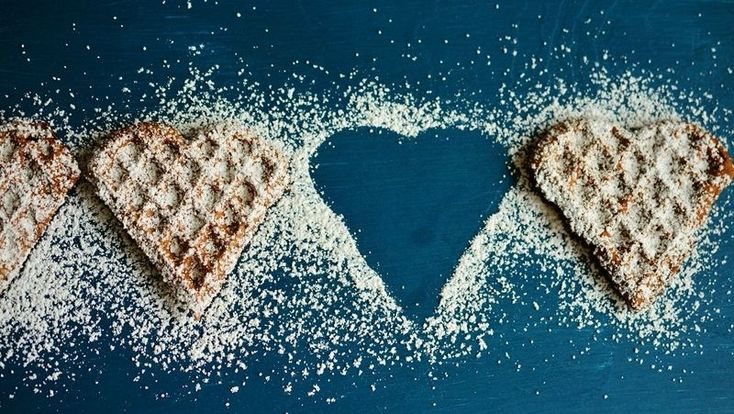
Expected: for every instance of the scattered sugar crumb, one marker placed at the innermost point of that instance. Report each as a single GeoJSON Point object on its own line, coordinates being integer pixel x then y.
{"type": "Point", "coordinates": [302, 293]}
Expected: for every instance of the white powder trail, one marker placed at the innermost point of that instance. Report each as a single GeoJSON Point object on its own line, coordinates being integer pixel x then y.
{"type": "Point", "coordinates": [302, 292]}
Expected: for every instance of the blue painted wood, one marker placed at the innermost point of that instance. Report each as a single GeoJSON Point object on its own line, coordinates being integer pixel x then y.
{"type": "Point", "coordinates": [427, 196]}
{"type": "Point", "coordinates": [345, 35]}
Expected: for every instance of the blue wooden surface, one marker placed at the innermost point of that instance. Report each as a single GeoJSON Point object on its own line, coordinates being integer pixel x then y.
{"type": "Point", "coordinates": [353, 34]}
{"type": "Point", "coordinates": [430, 195]}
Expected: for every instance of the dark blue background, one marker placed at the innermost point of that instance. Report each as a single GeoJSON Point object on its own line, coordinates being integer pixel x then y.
{"type": "Point", "coordinates": [342, 36]}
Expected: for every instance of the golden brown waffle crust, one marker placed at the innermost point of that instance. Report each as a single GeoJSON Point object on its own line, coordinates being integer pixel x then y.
{"type": "Point", "coordinates": [190, 203]}
{"type": "Point", "coordinates": [36, 173]}
{"type": "Point", "coordinates": [637, 197]}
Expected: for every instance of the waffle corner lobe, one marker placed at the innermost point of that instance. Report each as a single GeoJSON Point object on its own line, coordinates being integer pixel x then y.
{"type": "Point", "coordinates": [190, 203]}
{"type": "Point", "coordinates": [637, 197]}
{"type": "Point", "coordinates": [36, 173]}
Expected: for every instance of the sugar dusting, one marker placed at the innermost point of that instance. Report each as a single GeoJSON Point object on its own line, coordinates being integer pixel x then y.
{"type": "Point", "coordinates": [302, 293]}
{"type": "Point", "coordinates": [527, 239]}
{"type": "Point", "coordinates": [637, 196]}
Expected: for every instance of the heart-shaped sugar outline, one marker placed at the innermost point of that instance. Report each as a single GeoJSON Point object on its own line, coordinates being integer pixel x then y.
{"type": "Point", "coordinates": [412, 204]}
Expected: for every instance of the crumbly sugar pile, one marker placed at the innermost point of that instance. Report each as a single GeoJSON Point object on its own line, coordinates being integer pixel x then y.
{"type": "Point", "coordinates": [301, 292]}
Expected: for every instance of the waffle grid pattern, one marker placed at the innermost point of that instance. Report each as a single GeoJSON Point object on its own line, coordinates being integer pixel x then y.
{"type": "Point", "coordinates": [36, 172]}
{"type": "Point", "coordinates": [637, 197]}
{"type": "Point", "coordinates": [190, 205]}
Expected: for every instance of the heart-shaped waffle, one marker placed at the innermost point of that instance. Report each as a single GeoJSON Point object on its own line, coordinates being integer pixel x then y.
{"type": "Point", "coordinates": [191, 205]}
{"type": "Point", "coordinates": [36, 173]}
{"type": "Point", "coordinates": [637, 197]}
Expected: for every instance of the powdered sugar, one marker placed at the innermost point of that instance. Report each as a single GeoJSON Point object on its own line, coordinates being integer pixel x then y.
{"type": "Point", "coordinates": [527, 241]}
{"type": "Point", "coordinates": [301, 292]}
